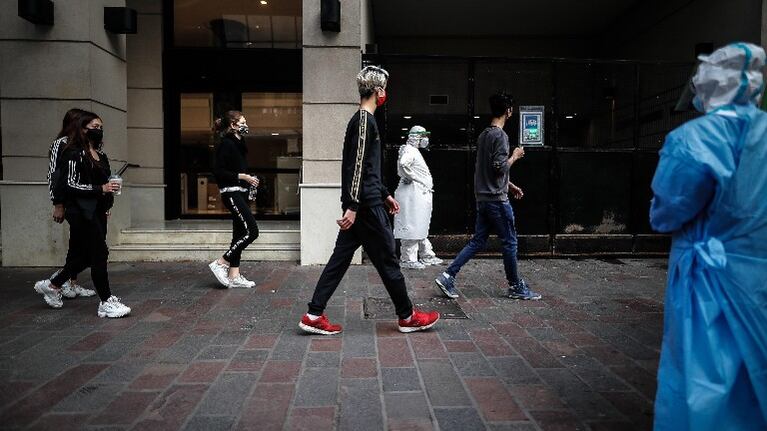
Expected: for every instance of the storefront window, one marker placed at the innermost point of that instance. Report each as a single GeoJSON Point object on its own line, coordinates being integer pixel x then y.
{"type": "Point", "coordinates": [237, 23]}
{"type": "Point", "coordinates": [274, 151]}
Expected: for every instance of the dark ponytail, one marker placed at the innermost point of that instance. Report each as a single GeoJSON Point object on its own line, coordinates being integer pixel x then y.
{"type": "Point", "coordinates": [223, 123]}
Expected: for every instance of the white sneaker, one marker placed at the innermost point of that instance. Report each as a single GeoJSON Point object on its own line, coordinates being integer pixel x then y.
{"type": "Point", "coordinates": [81, 291]}
{"type": "Point", "coordinates": [241, 281]}
{"type": "Point", "coordinates": [221, 272]}
{"type": "Point", "coordinates": [412, 265]}
{"type": "Point", "coordinates": [51, 296]}
{"type": "Point", "coordinates": [112, 308]}
{"type": "Point", "coordinates": [67, 291]}
{"type": "Point", "coordinates": [434, 260]}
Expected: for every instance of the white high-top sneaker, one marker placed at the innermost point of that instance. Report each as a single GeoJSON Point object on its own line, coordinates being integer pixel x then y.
{"type": "Point", "coordinates": [113, 308]}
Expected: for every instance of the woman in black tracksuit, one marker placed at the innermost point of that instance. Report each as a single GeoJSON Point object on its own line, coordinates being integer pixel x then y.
{"type": "Point", "coordinates": [233, 182]}
{"type": "Point", "coordinates": [88, 197]}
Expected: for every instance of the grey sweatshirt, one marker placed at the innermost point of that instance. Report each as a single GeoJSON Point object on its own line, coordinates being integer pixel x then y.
{"type": "Point", "coordinates": [491, 173]}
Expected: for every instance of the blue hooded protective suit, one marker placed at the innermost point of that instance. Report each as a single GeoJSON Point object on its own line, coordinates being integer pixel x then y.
{"type": "Point", "coordinates": [711, 193]}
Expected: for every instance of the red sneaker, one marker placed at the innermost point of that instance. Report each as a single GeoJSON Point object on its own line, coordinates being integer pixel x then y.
{"type": "Point", "coordinates": [320, 326]}
{"type": "Point", "coordinates": [420, 321]}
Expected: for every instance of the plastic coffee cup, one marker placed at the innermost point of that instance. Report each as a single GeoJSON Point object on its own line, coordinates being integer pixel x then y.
{"type": "Point", "coordinates": [116, 179]}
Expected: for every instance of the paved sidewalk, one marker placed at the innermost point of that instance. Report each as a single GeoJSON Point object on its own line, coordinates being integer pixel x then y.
{"type": "Point", "coordinates": [195, 357]}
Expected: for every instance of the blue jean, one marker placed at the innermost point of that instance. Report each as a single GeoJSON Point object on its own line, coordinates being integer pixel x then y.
{"type": "Point", "coordinates": [498, 217]}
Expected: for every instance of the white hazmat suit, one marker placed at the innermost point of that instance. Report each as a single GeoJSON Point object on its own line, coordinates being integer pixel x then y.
{"type": "Point", "coordinates": [414, 193]}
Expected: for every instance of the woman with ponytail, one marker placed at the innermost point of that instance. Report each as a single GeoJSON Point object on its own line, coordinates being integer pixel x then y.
{"type": "Point", "coordinates": [233, 182]}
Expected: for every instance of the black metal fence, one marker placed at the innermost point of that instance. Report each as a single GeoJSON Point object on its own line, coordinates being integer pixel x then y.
{"type": "Point", "coordinates": [587, 190]}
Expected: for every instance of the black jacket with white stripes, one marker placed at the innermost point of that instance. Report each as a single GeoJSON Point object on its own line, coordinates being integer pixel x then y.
{"type": "Point", "coordinates": [81, 182]}
{"type": "Point", "coordinates": [361, 172]}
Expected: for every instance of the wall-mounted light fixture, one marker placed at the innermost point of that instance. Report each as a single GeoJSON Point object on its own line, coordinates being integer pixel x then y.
{"type": "Point", "coordinates": [37, 11]}
{"type": "Point", "coordinates": [330, 15]}
{"type": "Point", "coordinates": [120, 20]}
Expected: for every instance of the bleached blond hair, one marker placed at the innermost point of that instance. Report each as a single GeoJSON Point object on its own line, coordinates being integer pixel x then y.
{"type": "Point", "coordinates": [370, 78]}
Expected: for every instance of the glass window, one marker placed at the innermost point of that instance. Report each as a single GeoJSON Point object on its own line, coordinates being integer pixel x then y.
{"type": "Point", "coordinates": [237, 23]}
{"type": "Point", "coordinates": [274, 150]}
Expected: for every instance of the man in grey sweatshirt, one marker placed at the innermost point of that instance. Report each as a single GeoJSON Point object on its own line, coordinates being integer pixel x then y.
{"type": "Point", "coordinates": [494, 212]}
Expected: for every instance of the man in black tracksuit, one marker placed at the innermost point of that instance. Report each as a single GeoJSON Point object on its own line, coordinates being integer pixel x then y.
{"type": "Point", "coordinates": [366, 204]}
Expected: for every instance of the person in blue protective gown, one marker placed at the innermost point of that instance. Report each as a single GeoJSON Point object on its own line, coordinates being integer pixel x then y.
{"type": "Point", "coordinates": [710, 192]}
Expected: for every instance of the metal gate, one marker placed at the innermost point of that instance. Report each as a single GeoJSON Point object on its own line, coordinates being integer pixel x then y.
{"type": "Point", "coordinates": [587, 190]}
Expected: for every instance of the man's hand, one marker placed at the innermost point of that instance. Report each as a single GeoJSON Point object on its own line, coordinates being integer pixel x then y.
{"type": "Point", "coordinates": [58, 213]}
{"type": "Point", "coordinates": [392, 205]}
{"type": "Point", "coordinates": [348, 220]}
{"type": "Point", "coordinates": [516, 191]}
{"type": "Point", "coordinates": [517, 154]}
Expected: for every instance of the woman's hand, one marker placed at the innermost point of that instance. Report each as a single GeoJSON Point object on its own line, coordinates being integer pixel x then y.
{"type": "Point", "coordinates": [110, 187]}
{"type": "Point", "coordinates": [249, 179]}
{"type": "Point", "coordinates": [348, 219]}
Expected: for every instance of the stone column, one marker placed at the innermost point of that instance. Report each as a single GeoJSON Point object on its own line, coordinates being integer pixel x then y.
{"type": "Point", "coordinates": [331, 62]}
{"type": "Point", "coordinates": [145, 114]}
{"type": "Point", "coordinates": [44, 71]}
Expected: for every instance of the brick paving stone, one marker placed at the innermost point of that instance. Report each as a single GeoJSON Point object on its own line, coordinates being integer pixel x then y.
{"type": "Point", "coordinates": [226, 396]}
{"type": "Point", "coordinates": [358, 368]}
{"type": "Point", "coordinates": [323, 360]}
{"type": "Point", "coordinates": [125, 408]}
{"type": "Point", "coordinates": [557, 421]}
{"type": "Point", "coordinates": [407, 407]}
{"type": "Point", "coordinates": [312, 419]}
{"type": "Point", "coordinates": [360, 405]}
{"type": "Point", "coordinates": [290, 347]}
{"type": "Point", "coordinates": [60, 422]}
{"type": "Point", "coordinates": [267, 408]}
{"type": "Point", "coordinates": [427, 345]}
{"type": "Point", "coordinates": [201, 372]}
{"type": "Point", "coordinates": [471, 364]}
{"type": "Point", "coordinates": [514, 370]}
{"type": "Point", "coordinates": [216, 353]}
{"type": "Point", "coordinates": [494, 401]}
{"type": "Point", "coordinates": [534, 353]}
{"type": "Point", "coordinates": [248, 360]}
{"type": "Point", "coordinates": [121, 372]}
{"type": "Point", "coordinates": [535, 397]}
{"type": "Point", "coordinates": [88, 398]}
{"type": "Point", "coordinates": [394, 352]}
{"type": "Point", "coordinates": [157, 376]}
{"type": "Point", "coordinates": [325, 345]}
{"type": "Point", "coordinates": [280, 371]}
{"type": "Point", "coordinates": [257, 341]}
{"type": "Point", "coordinates": [92, 342]}
{"type": "Point", "coordinates": [400, 379]}
{"type": "Point", "coordinates": [317, 387]}
{"type": "Point", "coordinates": [210, 423]}
{"type": "Point", "coordinates": [458, 419]}
{"type": "Point", "coordinates": [172, 408]}
{"type": "Point", "coordinates": [443, 385]}
{"type": "Point", "coordinates": [460, 346]}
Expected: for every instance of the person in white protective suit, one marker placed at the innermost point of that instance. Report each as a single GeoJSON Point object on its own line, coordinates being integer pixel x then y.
{"type": "Point", "coordinates": [414, 194]}
{"type": "Point", "coordinates": [710, 192]}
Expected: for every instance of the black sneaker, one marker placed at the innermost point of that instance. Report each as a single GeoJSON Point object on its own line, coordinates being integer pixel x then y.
{"type": "Point", "coordinates": [521, 291]}
{"type": "Point", "coordinates": [446, 284]}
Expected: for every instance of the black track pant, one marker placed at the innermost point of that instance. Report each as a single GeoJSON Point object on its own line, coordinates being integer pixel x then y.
{"type": "Point", "coordinates": [87, 248]}
{"type": "Point", "coordinates": [372, 231]}
{"type": "Point", "coordinates": [245, 229]}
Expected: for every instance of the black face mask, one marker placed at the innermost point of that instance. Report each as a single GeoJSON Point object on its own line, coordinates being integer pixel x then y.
{"type": "Point", "coordinates": [95, 135]}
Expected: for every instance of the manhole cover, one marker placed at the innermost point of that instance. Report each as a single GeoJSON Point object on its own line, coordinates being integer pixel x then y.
{"type": "Point", "coordinates": [382, 308]}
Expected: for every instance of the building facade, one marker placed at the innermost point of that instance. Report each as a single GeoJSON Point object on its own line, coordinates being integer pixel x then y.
{"type": "Point", "coordinates": [605, 74]}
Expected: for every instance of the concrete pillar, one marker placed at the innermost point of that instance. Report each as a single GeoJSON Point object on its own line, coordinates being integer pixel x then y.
{"type": "Point", "coordinates": [331, 62]}
{"type": "Point", "coordinates": [145, 114]}
{"type": "Point", "coordinates": [44, 71]}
